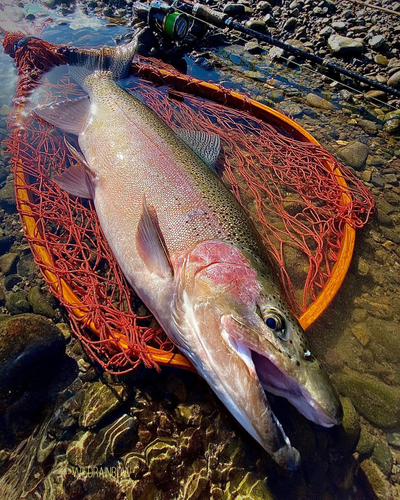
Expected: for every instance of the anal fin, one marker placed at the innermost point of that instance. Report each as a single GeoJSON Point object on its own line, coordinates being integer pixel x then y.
{"type": "Point", "coordinates": [78, 179]}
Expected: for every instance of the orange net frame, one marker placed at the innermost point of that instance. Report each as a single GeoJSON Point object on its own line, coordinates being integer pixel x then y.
{"type": "Point", "coordinates": [305, 205]}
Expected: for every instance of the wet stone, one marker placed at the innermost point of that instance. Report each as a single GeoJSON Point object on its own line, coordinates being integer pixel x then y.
{"type": "Point", "coordinates": [5, 243]}
{"type": "Point", "coordinates": [276, 96]}
{"type": "Point", "coordinates": [354, 154]}
{"type": "Point", "coordinates": [394, 80]}
{"type": "Point", "coordinates": [26, 266]}
{"type": "Point", "coordinates": [376, 479]}
{"type": "Point", "coordinates": [319, 102]}
{"type": "Point", "coordinates": [29, 344]}
{"type": "Point", "coordinates": [381, 60]}
{"type": "Point", "coordinates": [365, 445]}
{"type": "Point", "coordinates": [326, 32]}
{"type": "Point", "coordinates": [120, 13]}
{"type": "Point", "coordinates": [253, 48]}
{"type": "Point", "coordinates": [264, 7]}
{"type": "Point", "coordinates": [159, 454]}
{"type": "Point", "coordinates": [392, 126]}
{"type": "Point", "coordinates": [359, 314]}
{"type": "Point", "coordinates": [376, 42]}
{"type": "Point", "coordinates": [391, 178]}
{"type": "Point", "coordinates": [269, 20]}
{"type": "Point", "coordinates": [360, 331]}
{"type": "Point", "coordinates": [362, 267]}
{"type": "Point", "coordinates": [319, 11]}
{"type": "Point", "coordinates": [375, 161]}
{"type": "Point", "coordinates": [11, 281]}
{"type": "Point", "coordinates": [383, 208]}
{"type": "Point", "coordinates": [99, 401]}
{"type": "Point", "coordinates": [7, 197]}
{"type": "Point", "coordinates": [340, 45]}
{"type": "Point", "coordinates": [375, 400]}
{"type": "Point", "coordinates": [276, 53]}
{"type": "Point", "coordinates": [191, 441]}
{"type": "Point", "coordinates": [290, 24]}
{"type": "Point", "coordinates": [256, 25]}
{"type": "Point", "coordinates": [8, 263]}
{"type": "Point", "coordinates": [17, 303]}
{"type": "Point", "coordinates": [188, 414]}
{"type": "Point", "coordinates": [65, 330]}
{"type": "Point", "coordinates": [291, 109]}
{"type": "Point", "coordinates": [248, 487]}
{"type": "Point", "coordinates": [393, 438]}
{"type": "Point", "coordinates": [376, 94]}
{"type": "Point", "coordinates": [108, 12]}
{"type": "Point", "coordinates": [349, 433]}
{"type": "Point", "coordinates": [378, 181]}
{"type": "Point", "coordinates": [234, 10]}
{"type": "Point", "coordinates": [195, 486]}
{"type": "Point", "coordinates": [39, 303]}
{"type": "Point", "coordinates": [76, 451]}
{"type": "Point", "coordinates": [382, 456]}
{"type": "Point", "coordinates": [339, 26]}
{"type": "Point", "coordinates": [368, 126]}
{"type": "Point", "coordinates": [92, 449]}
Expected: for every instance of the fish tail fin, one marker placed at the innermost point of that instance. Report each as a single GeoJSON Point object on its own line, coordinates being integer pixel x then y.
{"type": "Point", "coordinates": [113, 62]}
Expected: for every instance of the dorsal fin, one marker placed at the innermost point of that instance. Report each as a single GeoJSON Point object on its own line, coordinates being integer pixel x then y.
{"type": "Point", "coordinates": [206, 145]}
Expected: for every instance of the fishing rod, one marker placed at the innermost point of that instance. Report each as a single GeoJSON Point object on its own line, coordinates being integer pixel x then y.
{"type": "Point", "coordinates": [166, 19]}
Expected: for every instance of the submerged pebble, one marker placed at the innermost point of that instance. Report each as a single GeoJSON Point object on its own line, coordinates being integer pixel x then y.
{"type": "Point", "coordinates": [354, 154]}
{"type": "Point", "coordinates": [40, 303]}
{"type": "Point", "coordinates": [100, 400]}
{"type": "Point", "coordinates": [375, 400]}
{"type": "Point", "coordinates": [383, 457]}
{"type": "Point", "coordinates": [376, 479]}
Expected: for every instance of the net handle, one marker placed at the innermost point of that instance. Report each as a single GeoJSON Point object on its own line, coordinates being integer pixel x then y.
{"type": "Point", "coordinates": [79, 310]}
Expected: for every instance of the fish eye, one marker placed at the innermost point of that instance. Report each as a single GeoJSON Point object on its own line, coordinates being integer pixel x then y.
{"type": "Point", "coordinates": [274, 321]}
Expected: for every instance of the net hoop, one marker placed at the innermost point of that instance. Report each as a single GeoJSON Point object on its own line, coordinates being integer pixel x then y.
{"type": "Point", "coordinates": [150, 70]}
{"type": "Point", "coordinates": [217, 93]}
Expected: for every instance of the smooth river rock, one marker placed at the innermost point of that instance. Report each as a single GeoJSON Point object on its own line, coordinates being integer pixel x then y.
{"type": "Point", "coordinates": [377, 402]}
{"type": "Point", "coordinates": [354, 154]}
{"type": "Point", "coordinates": [30, 346]}
{"type": "Point", "coordinates": [341, 45]}
{"type": "Point", "coordinates": [319, 102]}
{"type": "Point", "coordinates": [394, 80]}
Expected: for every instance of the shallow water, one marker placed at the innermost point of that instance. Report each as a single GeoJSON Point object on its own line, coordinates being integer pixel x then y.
{"type": "Point", "coordinates": [357, 339]}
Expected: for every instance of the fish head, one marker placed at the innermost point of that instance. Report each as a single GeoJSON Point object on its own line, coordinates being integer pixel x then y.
{"type": "Point", "coordinates": [234, 294]}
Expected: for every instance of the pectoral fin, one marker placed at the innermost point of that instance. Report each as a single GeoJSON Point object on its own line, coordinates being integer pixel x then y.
{"type": "Point", "coordinates": [150, 243]}
{"type": "Point", "coordinates": [69, 116]}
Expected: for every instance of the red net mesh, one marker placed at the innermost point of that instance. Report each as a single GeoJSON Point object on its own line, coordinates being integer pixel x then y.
{"type": "Point", "coordinates": [288, 185]}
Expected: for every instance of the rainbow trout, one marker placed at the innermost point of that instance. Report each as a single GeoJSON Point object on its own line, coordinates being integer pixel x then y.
{"type": "Point", "coordinates": [189, 250]}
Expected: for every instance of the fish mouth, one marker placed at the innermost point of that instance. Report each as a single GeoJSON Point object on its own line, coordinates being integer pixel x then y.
{"type": "Point", "coordinates": [327, 412]}
{"type": "Point", "coordinates": [309, 391]}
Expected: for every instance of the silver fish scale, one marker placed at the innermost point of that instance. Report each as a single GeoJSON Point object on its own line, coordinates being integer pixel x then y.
{"type": "Point", "coordinates": [176, 191]}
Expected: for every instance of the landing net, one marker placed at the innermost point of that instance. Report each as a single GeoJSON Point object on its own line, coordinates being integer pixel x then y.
{"type": "Point", "coordinates": [305, 205]}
